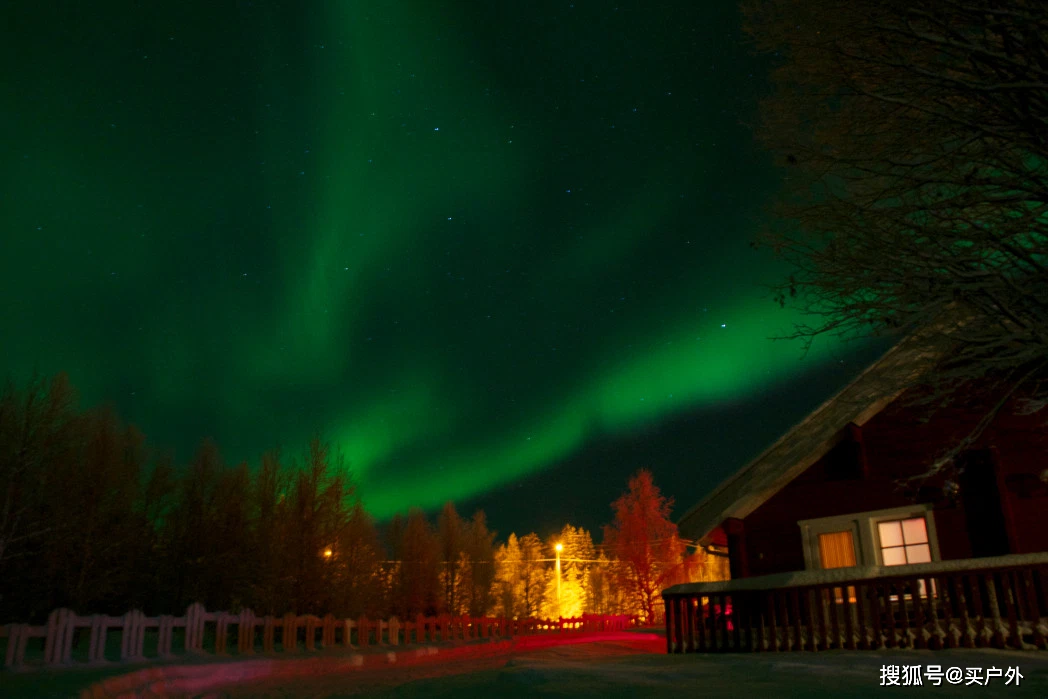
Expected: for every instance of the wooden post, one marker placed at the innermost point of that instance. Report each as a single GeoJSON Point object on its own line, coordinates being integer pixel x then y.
{"type": "Point", "coordinates": [948, 593]}
{"type": "Point", "coordinates": [132, 637]}
{"type": "Point", "coordinates": [689, 624]}
{"type": "Point", "coordinates": [821, 593]}
{"type": "Point", "coordinates": [968, 640]}
{"type": "Point", "coordinates": [1030, 591]}
{"type": "Point", "coordinates": [221, 632]}
{"type": "Point", "coordinates": [97, 648]}
{"type": "Point", "coordinates": [795, 612]}
{"type": "Point", "coordinates": [916, 584]}
{"type": "Point", "coordinates": [835, 622]}
{"type": "Point", "coordinates": [363, 632]}
{"type": "Point", "coordinates": [165, 630]}
{"type": "Point", "coordinates": [347, 633]}
{"type": "Point", "coordinates": [246, 632]}
{"type": "Point", "coordinates": [17, 638]}
{"type": "Point", "coordinates": [995, 609]}
{"type": "Point", "coordinates": [394, 632]}
{"type": "Point", "coordinates": [195, 618]}
{"type": "Point", "coordinates": [1008, 587]}
{"type": "Point", "coordinates": [671, 643]}
{"type": "Point", "coordinates": [58, 643]}
{"type": "Point", "coordinates": [268, 626]}
{"type": "Point", "coordinates": [935, 602]}
{"type": "Point", "coordinates": [289, 633]}
{"type": "Point", "coordinates": [758, 607]}
{"type": "Point", "coordinates": [808, 601]}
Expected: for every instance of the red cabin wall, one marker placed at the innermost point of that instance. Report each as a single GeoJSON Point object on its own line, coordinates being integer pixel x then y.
{"type": "Point", "coordinates": [860, 475]}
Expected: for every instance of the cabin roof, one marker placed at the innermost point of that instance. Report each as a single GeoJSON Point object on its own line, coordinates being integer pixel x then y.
{"type": "Point", "coordinates": [750, 487]}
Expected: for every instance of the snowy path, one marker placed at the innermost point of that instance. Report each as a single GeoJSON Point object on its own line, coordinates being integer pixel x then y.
{"type": "Point", "coordinates": [640, 668]}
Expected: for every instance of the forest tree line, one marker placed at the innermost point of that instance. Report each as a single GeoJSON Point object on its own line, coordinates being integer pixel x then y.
{"type": "Point", "coordinates": [92, 521]}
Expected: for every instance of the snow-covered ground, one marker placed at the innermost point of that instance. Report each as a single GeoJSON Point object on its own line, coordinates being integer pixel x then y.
{"type": "Point", "coordinates": [641, 668]}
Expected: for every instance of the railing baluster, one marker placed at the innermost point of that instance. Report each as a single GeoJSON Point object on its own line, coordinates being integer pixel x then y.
{"type": "Point", "coordinates": [750, 617]}
{"type": "Point", "coordinates": [670, 631]}
{"type": "Point", "coordinates": [962, 608]}
{"type": "Point", "coordinates": [979, 623]}
{"type": "Point", "coordinates": [773, 641]}
{"type": "Point", "coordinates": [835, 624]}
{"type": "Point", "coordinates": [720, 627]}
{"type": "Point", "coordinates": [807, 600]}
{"type": "Point", "coordinates": [993, 601]}
{"type": "Point", "coordinates": [948, 595]}
{"type": "Point", "coordinates": [736, 629]}
{"type": "Point", "coordinates": [795, 613]}
{"type": "Point", "coordinates": [906, 639]}
{"type": "Point", "coordinates": [701, 616]}
{"type": "Point", "coordinates": [888, 614]}
{"type": "Point", "coordinates": [784, 619]}
{"type": "Point", "coordinates": [875, 615]}
{"type": "Point", "coordinates": [689, 624]}
{"type": "Point", "coordinates": [823, 610]}
{"type": "Point", "coordinates": [861, 590]}
{"type": "Point", "coordinates": [1035, 608]}
{"type": "Point", "coordinates": [1008, 589]}
{"type": "Point", "coordinates": [918, 584]}
{"type": "Point", "coordinates": [849, 616]}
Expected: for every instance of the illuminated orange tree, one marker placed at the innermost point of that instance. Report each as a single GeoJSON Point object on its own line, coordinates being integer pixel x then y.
{"type": "Point", "coordinates": [645, 542]}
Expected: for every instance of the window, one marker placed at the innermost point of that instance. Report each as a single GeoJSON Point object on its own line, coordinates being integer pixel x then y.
{"type": "Point", "coordinates": [837, 549]}
{"type": "Point", "coordinates": [904, 541]}
{"type": "Point", "coordinates": [890, 537]}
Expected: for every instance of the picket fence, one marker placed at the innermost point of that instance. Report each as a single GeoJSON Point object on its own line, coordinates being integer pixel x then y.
{"type": "Point", "coordinates": [198, 623]}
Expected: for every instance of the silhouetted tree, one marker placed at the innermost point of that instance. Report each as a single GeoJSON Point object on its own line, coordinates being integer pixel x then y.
{"type": "Point", "coordinates": [357, 555]}
{"type": "Point", "coordinates": [35, 436]}
{"type": "Point", "coordinates": [451, 536]}
{"type": "Point", "coordinates": [189, 534]}
{"type": "Point", "coordinates": [477, 566]}
{"type": "Point", "coordinates": [915, 136]}
{"type": "Point", "coordinates": [417, 584]}
{"type": "Point", "coordinates": [269, 583]}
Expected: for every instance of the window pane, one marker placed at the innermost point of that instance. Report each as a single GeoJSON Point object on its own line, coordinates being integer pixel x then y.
{"type": "Point", "coordinates": [894, 557]}
{"type": "Point", "coordinates": [891, 533]}
{"type": "Point", "coordinates": [914, 531]}
{"type": "Point", "coordinates": [920, 553]}
{"type": "Point", "coordinates": [836, 550]}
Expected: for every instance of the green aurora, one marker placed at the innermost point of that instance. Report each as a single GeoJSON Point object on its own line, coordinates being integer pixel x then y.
{"type": "Point", "coordinates": [462, 240]}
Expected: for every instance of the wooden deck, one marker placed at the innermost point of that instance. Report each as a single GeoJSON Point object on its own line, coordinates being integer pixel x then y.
{"type": "Point", "coordinates": [999, 602]}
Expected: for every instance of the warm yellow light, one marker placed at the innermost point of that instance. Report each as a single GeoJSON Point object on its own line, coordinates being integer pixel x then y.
{"type": "Point", "coordinates": [559, 547]}
{"type": "Point", "coordinates": [327, 553]}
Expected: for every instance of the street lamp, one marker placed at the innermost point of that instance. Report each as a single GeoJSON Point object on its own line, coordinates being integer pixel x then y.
{"type": "Point", "coordinates": [558, 548]}
{"type": "Point", "coordinates": [327, 553]}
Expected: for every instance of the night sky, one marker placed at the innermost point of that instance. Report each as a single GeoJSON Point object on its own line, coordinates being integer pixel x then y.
{"type": "Point", "coordinates": [496, 251]}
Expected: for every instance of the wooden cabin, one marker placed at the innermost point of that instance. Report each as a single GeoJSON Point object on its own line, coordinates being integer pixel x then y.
{"type": "Point", "coordinates": [838, 538]}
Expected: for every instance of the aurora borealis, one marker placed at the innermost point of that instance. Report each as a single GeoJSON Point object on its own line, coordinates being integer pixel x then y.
{"type": "Point", "coordinates": [480, 246]}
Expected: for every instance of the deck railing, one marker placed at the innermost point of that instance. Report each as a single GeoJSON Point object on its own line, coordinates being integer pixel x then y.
{"type": "Point", "coordinates": [253, 633]}
{"type": "Point", "coordinates": [999, 602]}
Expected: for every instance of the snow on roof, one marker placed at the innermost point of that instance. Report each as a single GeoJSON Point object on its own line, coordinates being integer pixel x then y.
{"type": "Point", "coordinates": [876, 387]}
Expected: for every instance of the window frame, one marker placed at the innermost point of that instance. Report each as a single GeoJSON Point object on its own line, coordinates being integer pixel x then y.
{"type": "Point", "coordinates": [865, 533]}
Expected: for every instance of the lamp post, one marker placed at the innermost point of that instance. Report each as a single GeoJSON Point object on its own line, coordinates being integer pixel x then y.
{"type": "Point", "coordinates": [558, 548]}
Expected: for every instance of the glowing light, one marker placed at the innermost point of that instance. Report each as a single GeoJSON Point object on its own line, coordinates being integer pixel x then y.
{"type": "Point", "coordinates": [559, 547]}
{"type": "Point", "coordinates": [327, 553]}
